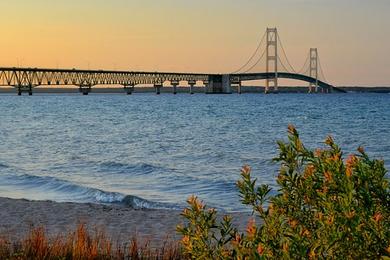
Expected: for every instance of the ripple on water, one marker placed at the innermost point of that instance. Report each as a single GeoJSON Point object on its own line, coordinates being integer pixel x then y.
{"type": "Point", "coordinates": [162, 149]}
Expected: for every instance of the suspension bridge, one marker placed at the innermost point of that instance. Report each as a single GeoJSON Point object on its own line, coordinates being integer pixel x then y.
{"type": "Point", "coordinates": [269, 53]}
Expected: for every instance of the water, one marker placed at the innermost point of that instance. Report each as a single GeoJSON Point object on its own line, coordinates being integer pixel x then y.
{"type": "Point", "coordinates": [161, 149]}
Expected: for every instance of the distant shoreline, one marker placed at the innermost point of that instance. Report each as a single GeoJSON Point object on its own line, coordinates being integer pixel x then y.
{"type": "Point", "coordinates": [245, 89]}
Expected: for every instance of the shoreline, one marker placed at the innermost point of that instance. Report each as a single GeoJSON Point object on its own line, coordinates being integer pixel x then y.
{"type": "Point", "coordinates": [184, 90]}
{"type": "Point", "coordinates": [119, 223]}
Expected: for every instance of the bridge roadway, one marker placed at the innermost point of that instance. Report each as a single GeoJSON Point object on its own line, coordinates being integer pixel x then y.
{"type": "Point", "coordinates": [236, 78]}
{"type": "Point", "coordinates": [25, 79]}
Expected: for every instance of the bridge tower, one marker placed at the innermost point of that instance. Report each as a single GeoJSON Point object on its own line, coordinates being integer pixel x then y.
{"type": "Point", "coordinates": [313, 70]}
{"type": "Point", "coordinates": [272, 59]}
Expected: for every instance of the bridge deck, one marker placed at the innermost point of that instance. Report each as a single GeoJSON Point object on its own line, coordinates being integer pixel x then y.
{"type": "Point", "coordinates": [31, 77]}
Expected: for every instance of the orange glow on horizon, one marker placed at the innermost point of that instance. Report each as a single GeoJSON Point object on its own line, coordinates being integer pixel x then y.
{"type": "Point", "coordinates": [217, 36]}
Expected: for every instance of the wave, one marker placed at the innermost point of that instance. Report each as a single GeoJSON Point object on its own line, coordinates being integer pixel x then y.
{"type": "Point", "coordinates": [72, 192]}
{"type": "Point", "coordinates": [123, 168]}
{"type": "Point", "coordinates": [3, 165]}
{"type": "Point", "coordinates": [140, 203]}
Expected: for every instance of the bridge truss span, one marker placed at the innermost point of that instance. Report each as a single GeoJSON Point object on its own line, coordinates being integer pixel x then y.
{"type": "Point", "coordinates": [25, 79]}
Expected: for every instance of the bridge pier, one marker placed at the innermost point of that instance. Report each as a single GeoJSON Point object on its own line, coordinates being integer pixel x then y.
{"type": "Point", "coordinates": [24, 88]}
{"type": "Point", "coordinates": [271, 91]}
{"type": "Point", "coordinates": [215, 84]}
{"type": "Point", "coordinates": [129, 89]}
{"type": "Point", "coordinates": [326, 90]}
{"type": "Point", "coordinates": [314, 89]}
{"type": "Point", "coordinates": [174, 84]}
{"type": "Point", "coordinates": [226, 85]}
{"type": "Point", "coordinates": [219, 84]}
{"type": "Point", "coordinates": [158, 87]}
{"type": "Point", "coordinates": [206, 86]}
{"type": "Point", "coordinates": [192, 84]}
{"type": "Point", "coordinates": [85, 89]}
{"type": "Point", "coordinates": [236, 81]}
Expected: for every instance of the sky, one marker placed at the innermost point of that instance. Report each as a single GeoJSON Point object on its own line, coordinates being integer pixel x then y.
{"type": "Point", "coordinates": [208, 36]}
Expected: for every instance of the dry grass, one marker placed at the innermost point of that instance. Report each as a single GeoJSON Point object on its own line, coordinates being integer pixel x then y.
{"type": "Point", "coordinates": [82, 245]}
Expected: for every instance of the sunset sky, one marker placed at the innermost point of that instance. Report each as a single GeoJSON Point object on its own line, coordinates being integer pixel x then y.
{"type": "Point", "coordinates": [215, 36]}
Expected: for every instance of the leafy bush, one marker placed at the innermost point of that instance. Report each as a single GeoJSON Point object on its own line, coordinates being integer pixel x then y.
{"type": "Point", "coordinates": [326, 207]}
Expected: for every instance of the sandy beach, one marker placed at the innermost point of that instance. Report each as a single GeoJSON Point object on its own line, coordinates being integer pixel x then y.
{"type": "Point", "coordinates": [18, 216]}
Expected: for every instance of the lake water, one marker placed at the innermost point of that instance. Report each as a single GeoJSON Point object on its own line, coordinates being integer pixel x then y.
{"type": "Point", "coordinates": [100, 148]}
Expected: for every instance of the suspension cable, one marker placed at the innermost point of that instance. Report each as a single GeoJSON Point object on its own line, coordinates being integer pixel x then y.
{"type": "Point", "coordinates": [282, 64]}
{"type": "Point", "coordinates": [285, 55]}
{"type": "Point", "coordinates": [257, 62]}
{"type": "Point", "coordinates": [322, 73]}
{"type": "Point", "coordinates": [307, 71]}
{"type": "Point", "coordinates": [304, 65]}
{"type": "Point", "coordinates": [253, 55]}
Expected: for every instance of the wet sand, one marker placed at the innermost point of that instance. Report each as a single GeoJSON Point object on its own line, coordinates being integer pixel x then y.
{"type": "Point", "coordinates": [19, 216]}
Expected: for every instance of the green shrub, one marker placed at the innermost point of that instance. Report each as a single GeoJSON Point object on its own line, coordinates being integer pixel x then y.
{"type": "Point", "coordinates": [326, 207]}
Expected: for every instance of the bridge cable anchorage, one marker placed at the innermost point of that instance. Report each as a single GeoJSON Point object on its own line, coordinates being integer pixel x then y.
{"type": "Point", "coordinates": [253, 55]}
{"type": "Point", "coordinates": [257, 62]}
{"type": "Point", "coordinates": [285, 55]}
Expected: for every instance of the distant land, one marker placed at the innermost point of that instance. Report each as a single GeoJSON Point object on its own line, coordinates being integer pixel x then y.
{"type": "Point", "coordinates": [245, 89]}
